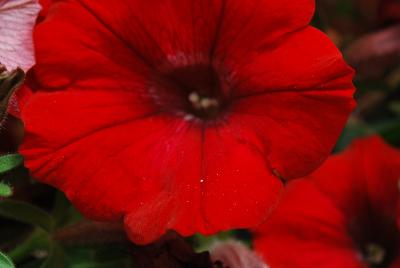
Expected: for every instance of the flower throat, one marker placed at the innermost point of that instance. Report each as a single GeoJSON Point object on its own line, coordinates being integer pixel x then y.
{"type": "Point", "coordinates": [194, 91]}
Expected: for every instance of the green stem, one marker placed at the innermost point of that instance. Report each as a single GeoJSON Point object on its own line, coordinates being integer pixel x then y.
{"type": "Point", "coordinates": [38, 239]}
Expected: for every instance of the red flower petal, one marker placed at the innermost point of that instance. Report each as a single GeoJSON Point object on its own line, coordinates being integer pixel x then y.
{"type": "Point", "coordinates": [135, 36]}
{"type": "Point", "coordinates": [231, 200]}
{"type": "Point", "coordinates": [176, 27]}
{"type": "Point", "coordinates": [45, 8]}
{"type": "Point", "coordinates": [374, 171]}
{"type": "Point", "coordinates": [69, 153]}
{"type": "Point", "coordinates": [288, 86]}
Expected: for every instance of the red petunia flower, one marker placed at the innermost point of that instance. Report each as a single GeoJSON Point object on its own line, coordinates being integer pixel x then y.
{"type": "Point", "coordinates": [346, 214]}
{"type": "Point", "coordinates": [179, 114]}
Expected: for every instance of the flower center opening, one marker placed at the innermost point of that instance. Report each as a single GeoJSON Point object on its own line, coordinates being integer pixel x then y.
{"type": "Point", "coordinates": [377, 238]}
{"type": "Point", "coordinates": [193, 91]}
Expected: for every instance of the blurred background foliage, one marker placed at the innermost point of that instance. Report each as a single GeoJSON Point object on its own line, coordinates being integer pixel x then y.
{"type": "Point", "coordinates": [368, 33]}
{"type": "Point", "coordinates": [40, 228]}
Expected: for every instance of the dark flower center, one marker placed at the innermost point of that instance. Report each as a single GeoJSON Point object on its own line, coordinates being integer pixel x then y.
{"type": "Point", "coordinates": [377, 237]}
{"type": "Point", "coordinates": [195, 91]}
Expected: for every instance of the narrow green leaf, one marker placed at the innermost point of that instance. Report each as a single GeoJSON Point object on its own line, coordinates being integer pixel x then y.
{"type": "Point", "coordinates": [38, 240]}
{"type": "Point", "coordinates": [5, 261]}
{"type": "Point", "coordinates": [5, 190]}
{"type": "Point", "coordinates": [203, 243]}
{"type": "Point", "coordinates": [9, 162]}
{"type": "Point", "coordinates": [61, 209]}
{"type": "Point", "coordinates": [56, 257]}
{"type": "Point", "coordinates": [111, 264]}
{"type": "Point", "coordinates": [26, 213]}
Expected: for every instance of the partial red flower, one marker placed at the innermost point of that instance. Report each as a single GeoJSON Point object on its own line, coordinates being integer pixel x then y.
{"type": "Point", "coordinates": [17, 19]}
{"type": "Point", "coordinates": [180, 114]}
{"type": "Point", "coordinates": [345, 214]}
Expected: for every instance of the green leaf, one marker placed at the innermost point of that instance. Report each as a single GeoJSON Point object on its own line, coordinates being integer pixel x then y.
{"type": "Point", "coordinates": [26, 213]}
{"type": "Point", "coordinates": [203, 243]}
{"type": "Point", "coordinates": [5, 190]}
{"type": "Point", "coordinates": [38, 240]}
{"type": "Point", "coordinates": [112, 264]}
{"type": "Point", "coordinates": [62, 210]}
{"type": "Point", "coordinates": [389, 130]}
{"type": "Point", "coordinates": [5, 261]}
{"type": "Point", "coordinates": [56, 257]}
{"type": "Point", "coordinates": [9, 162]}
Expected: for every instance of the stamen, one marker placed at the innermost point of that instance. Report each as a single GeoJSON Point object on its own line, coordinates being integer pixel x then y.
{"type": "Point", "coordinates": [194, 97]}
{"type": "Point", "coordinates": [202, 103]}
{"type": "Point", "coordinates": [208, 103]}
{"type": "Point", "coordinates": [375, 254]}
